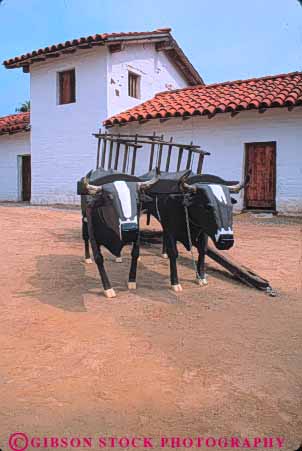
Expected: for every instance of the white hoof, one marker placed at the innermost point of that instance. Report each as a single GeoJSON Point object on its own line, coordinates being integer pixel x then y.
{"type": "Point", "coordinates": [176, 287]}
{"type": "Point", "coordinates": [164, 256]}
{"type": "Point", "coordinates": [110, 293]}
{"type": "Point", "coordinates": [119, 260]}
{"type": "Point", "coordinates": [202, 282]}
{"type": "Point", "coordinates": [88, 261]}
{"type": "Point", "coordinates": [132, 285]}
{"type": "Point", "coordinates": [139, 259]}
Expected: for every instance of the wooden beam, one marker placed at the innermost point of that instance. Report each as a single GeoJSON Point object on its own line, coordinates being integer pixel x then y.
{"type": "Point", "coordinates": [103, 153]}
{"type": "Point", "coordinates": [69, 50]}
{"type": "Point", "coordinates": [189, 158]}
{"type": "Point", "coordinates": [234, 113]}
{"type": "Point", "coordinates": [244, 274]}
{"type": "Point", "coordinates": [200, 163]}
{"type": "Point", "coordinates": [126, 151]}
{"type": "Point", "coordinates": [117, 154]}
{"type": "Point", "coordinates": [163, 45]}
{"type": "Point", "coordinates": [119, 136]}
{"type": "Point", "coordinates": [53, 55]}
{"type": "Point", "coordinates": [85, 46]}
{"type": "Point", "coordinates": [160, 154]}
{"type": "Point", "coordinates": [123, 141]}
{"type": "Point", "coordinates": [37, 59]}
{"type": "Point", "coordinates": [180, 152]}
{"type": "Point", "coordinates": [97, 43]}
{"type": "Point", "coordinates": [164, 119]}
{"type": "Point", "coordinates": [134, 157]}
{"type": "Point", "coordinates": [155, 140]}
{"type": "Point", "coordinates": [110, 154]}
{"type": "Point", "coordinates": [151, 154]}
{"type": "Point", "coordinates": [25, 68]}
{"type": "Point", "coordinates": [262, 110]}
{"type": "Point", "coordinates": [98, 153]}
{"type": "Point", "coordinates": [114, 48]}
{"type": "Point", "coordinates": [291, 107]}
{"type": "Point", "coordinates": [169, 155]}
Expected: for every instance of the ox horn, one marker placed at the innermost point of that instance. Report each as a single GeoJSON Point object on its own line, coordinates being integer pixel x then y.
{"type": "Point", "coordinates": [188, 188]}
{"type": "Point", "coordinates": [185, 186]}
{"type": "Point", "coordinates": [144, 186]}
{"type": "Point", "coordinates": [236, 188]}
{"type": "Point", "coordinates": [91, 189]}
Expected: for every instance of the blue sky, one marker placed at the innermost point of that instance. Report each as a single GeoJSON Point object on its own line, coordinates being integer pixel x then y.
{"type": "Point", "coordinates": [225, 40]}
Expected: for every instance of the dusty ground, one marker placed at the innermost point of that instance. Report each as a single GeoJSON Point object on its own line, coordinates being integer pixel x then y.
{"type": "Point", "coordinates": [224, 360]}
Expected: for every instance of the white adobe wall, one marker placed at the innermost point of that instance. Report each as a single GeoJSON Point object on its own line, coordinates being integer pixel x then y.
{"type": "Point", "coordinates": [156, 71]}
{"type": "Point", "coordinates": [225, 137]}
{"type": "Point", "coordinates": [63, 148]}
{"type": "Point", "coordinates": [10, 147]}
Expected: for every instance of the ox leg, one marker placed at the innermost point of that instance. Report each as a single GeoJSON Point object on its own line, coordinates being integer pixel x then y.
{"type": "Point", "coordinates": [99, 259]}
{"type": "Point", "coordinates": [173, 254]}
{"type": "Point", "coordinates": [85, 236]}
{"type": "Point", "coordinates": [164, 248]}
{"type": "Point", "coordinates": [202, 245]}
{"type": "Point", "coordinates": [133, 267]}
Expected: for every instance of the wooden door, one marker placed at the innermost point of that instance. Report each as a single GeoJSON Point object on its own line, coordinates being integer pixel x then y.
{"type": "Point", "coordinates": [261, 165]}
{"type": "Point", "coordinates": [26, 178]}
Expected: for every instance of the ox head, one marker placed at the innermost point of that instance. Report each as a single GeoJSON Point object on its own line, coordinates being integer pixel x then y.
{"type": "Point", "coordinates": [211, 207]}
{"type": "Point", "coordinates": [116, 196]}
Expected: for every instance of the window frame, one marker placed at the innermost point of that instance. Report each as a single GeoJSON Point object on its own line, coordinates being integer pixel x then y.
{"type": "Point", "coordinates": [60, 89]}
{"type": "Point", "coordinates": [134, 91]}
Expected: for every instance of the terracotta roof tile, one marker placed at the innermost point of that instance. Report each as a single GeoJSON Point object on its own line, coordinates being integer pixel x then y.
{"type": "Point", "coordinates": [83, 40]}
{"type": "Point", "coordinates": [160, 35]}
{"type": "Point", "coordinates": [265, 92]}
{"type": "Point", "coordinates": [14, 123]}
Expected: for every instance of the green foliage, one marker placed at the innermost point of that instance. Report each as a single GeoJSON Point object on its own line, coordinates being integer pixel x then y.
{"type": "Point", "coordinates": [24, 107]}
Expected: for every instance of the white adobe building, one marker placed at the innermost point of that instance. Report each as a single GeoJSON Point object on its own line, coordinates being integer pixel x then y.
{"type": "Point", "coordinates": [224, 119]}
{"type": "Point", "coordinates": [77, 85]}
{"type": "Point", "coordinates": [98, 71]}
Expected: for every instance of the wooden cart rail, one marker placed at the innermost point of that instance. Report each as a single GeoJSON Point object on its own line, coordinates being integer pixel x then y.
{"type": "Point", "coordinates": [119, 152]}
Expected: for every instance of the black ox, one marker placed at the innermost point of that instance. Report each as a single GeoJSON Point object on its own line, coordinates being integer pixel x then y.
{"type": "Point", "coordinates": [110, 218]}
{"type": "Point", "coordinates": [192, 208]}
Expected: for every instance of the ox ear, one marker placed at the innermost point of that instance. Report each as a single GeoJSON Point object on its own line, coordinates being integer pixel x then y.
{"type": "Point", "coordinates": [210, 178]}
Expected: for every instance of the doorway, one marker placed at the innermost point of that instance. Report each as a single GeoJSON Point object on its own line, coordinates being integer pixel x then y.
{"type": "Point", "coordinates": [24, 178]}
{"type": "Point", "coordinates": [260, 163]}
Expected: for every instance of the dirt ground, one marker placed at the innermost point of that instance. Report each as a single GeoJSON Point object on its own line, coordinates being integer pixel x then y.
{"type": "Point", "coordinates": [217, 361]}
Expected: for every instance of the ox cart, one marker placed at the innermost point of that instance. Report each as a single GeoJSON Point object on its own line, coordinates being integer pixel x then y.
{"type": "Point", "coordinates": [119, 152]}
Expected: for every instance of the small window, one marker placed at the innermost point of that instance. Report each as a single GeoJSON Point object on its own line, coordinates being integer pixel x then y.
{"type": "Point", "coordinates": [133, 85]}
{"type": "Point", "coordinates": [66, 86]}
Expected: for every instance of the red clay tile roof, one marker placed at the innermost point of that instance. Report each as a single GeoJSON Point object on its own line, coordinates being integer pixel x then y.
{"type": "Point", "coordinates": [14, 123]}
{"type": "Point", "coordinates": [232, 96]}
{"type": "Point", "coordinates": [161, 36]}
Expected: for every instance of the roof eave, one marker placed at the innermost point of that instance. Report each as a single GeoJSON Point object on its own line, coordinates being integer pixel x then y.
{"type": "Point", "coordinates": [108, 123]}
{"type": "Point", "coordinates": [173, 52]}
{"type": "Point", "coordinates": [13, 132]}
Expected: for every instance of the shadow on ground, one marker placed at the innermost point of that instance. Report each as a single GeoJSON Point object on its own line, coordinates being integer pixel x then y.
{"type": "Point", "coordinates": [61, 281]}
